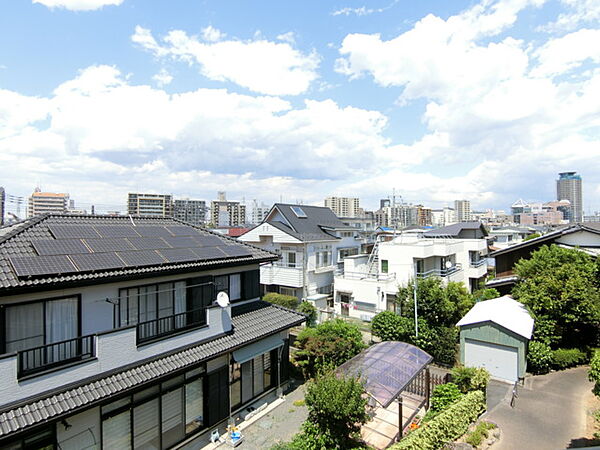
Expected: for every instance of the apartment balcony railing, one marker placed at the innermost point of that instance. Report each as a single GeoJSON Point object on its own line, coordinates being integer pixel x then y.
{"type": "Point", "coordinates": [440, 272]}
{"type": "Point", "coordinates": [476, 264]}
{"type": "Point", "coordinates": [50, 356]}
{"type": "Point", "coordinates": [165, 326]}
{"type": "Point", "coordinates": [365, 275]}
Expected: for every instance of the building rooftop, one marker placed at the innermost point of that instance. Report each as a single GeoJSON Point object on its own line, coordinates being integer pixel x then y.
{"type": "Point", "coordinates": [56, 250]}
{"type": "Point", "coordinates": [455, 229]}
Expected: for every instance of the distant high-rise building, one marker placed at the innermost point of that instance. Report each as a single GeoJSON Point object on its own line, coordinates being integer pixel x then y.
{"type": "Point", "coordinates": [462, 209]}
{"type": "Point", "coordinates": [259, 212]}
{"type": "Point", "coordinates": [190, 211]}
{"type": "Point", "coordinates": [443, 217]}
{"type": "Point", "coordinates": [343, 206]}
{"type": "Point", "coordinates": [384, 202]}
{"type": "Point", "coordinates": [2, 200]}
{"type": "Point", "coordinates": [568, 187]}
{"type": "Point", "coordinates": [47, 202]}
{"type": "Point", "coordinates": [224, 213]}
{"type": "Point", "coordinates": [152, 205]}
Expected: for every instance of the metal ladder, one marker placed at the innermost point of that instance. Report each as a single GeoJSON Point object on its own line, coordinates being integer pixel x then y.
{"type": "Point", "coordinates": [373, 261]}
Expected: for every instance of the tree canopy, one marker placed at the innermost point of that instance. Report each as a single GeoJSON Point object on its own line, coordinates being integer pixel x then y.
{"type": "Point", "coordinates": [562, 290]}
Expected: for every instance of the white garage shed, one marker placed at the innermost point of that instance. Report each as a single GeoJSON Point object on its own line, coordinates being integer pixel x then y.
{"type": "Point", "coordinates": [494, 335]}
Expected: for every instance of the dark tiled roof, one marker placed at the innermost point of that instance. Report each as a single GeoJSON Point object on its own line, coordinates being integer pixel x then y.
{"type": "Point", "coordinates": [18, 243]}
{"type": "Point", "coordinates": [313, 227]}
{"type": "Point", "coordinates": [455, 229]}
{"type": "Point", "coordinates": [251, 322]}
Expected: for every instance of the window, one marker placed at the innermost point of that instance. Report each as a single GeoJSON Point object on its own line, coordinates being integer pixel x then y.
{"type": "Point", "coordinates": [39, 323]}
{"type": "Point", "coordinates": [384, 266]}
{"type": "Point", "coordinates": [299, 212]}
{"type": "Point", "coordinates": [290, 259]}
{"type": "Point", "coordinates": [323, 256]}
{"type": "Point", "coordinates": [250, 284]}
{"type": "Point", "coordinates": [287, 291]}
{"type": "Point", "coordinates": [347, 234]}
{"type": "Point", "coordinates": [166, 413]}
{"type": "Point", "coordinates": [251, 378]}
{"type": "Point", "coordinates": [345, 252]}
{"type": "Point", "coordinates": [231, 284]}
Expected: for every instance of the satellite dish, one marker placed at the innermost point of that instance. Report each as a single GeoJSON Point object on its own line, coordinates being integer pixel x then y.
{"type": "Point", "coordinates": [222, 299]}
{"type": "Point", "coordinates": [448, 264]}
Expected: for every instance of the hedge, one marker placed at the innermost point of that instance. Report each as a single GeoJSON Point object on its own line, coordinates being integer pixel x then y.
{"type": "Point", "coordinates": [564, 358]}
{"type": "Point", "coordinates": [447, 426]}
{"type": "Point", "coordinates": [287, 301]}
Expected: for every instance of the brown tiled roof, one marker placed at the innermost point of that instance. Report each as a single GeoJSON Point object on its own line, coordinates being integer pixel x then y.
{"type": "Point", "coordinates": [251, 322]}
{"type": "Point", "coordinates": [18, 243]}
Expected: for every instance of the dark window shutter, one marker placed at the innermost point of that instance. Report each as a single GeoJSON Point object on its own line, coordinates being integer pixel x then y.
{"type": "Point", "coordinates": [251, 284]}
{"type": "Point", "coordinates": [218, 396]}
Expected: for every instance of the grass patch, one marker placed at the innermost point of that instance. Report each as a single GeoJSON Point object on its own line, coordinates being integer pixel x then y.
{"type": "Point", "coordinates": [291, 410]}
{"type": "Point", "coordinates": [299, 403]}
{"type": "Point", "coordinates": [481, 432]}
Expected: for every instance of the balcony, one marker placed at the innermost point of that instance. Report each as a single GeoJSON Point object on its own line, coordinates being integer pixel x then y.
{"type": "Point", "coordinates": [477, 264]}
{"type": "Point", "coordinates": [365, 275]}
{"type": "Point", "coordinates": [57, 354]}
{"type": "Point", "coordinates": [443, 273]}
{"type": "Point", "coordinates": [282, 274]}
{"type": "Point", "coordinates": [165, 326]}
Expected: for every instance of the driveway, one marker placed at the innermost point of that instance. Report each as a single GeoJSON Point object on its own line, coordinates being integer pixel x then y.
{"type": "Point", "coordinates": [549, 413]}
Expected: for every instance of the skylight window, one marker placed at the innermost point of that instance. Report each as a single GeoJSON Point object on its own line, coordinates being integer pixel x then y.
{"type": "Point", "coordinates": [299, 212]}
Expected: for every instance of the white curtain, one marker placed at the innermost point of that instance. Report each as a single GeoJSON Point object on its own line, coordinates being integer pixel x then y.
{"type": "Point", "coordinates": [24, 326]}
{"type": "Point", "coordinates": [235, 287]}
{"type": "Point", "coordinates": [180, 297]}
{"type": "Point", "coordinates": [61, 324]}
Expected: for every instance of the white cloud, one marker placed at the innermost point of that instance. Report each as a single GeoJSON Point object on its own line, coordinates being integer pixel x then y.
{"type": "Point", "coordinates": [163, 78]}
{"type": "Point", "coordinates": [568, 52]}
{"type": "Point", "coordinates": [578, 12]}
{"type": "Point", "coordinates": [211, 34]}
{"type": "Point", "coordinates": [78, 5]}
{"type": "Point", "coordinates": [363, 10]}
{"type": "Point", "coordinates": [289, 37]}
{"type": "Point", "coordinates": [259, 65]}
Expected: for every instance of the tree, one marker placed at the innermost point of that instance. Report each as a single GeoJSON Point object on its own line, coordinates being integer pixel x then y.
{"type": "Point", "coordinates": [389, 326]}
{"type": "Point", "coordinates": [594, 372]}
{"type": "Point", "coordinates": [328, 344]}
{"type": "Point", "coordinates": [531, 236]}
{"type": "Point", "coordinates": [336, 410]}
{"type": "Point", "coordinates": [562, 290]}
{"type": "Point", "coordinates": [310, 311]}
{"type": "Point", "coordinates": [485, 294]}
{"type": "Point", "coordinates": [287, 301]}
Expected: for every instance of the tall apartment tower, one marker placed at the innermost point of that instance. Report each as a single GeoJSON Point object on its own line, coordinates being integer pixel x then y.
{"type": "Point", "coordinates": [343, 206]}
{"type": "Point", "coordinates": [190, 211]}
{"type": "Point", "coordinates": [224, 213]}
{"type": "Point", "coordinates": [568, 187]}
{"type": "Point", "coordinates": [462, 209]}
{"type": "Point", "coordinates": [151, 205]}
{"type": "Point", "coordinates": [2, 202]}
{"type": "Point", "coordinates": [259, 212]}
{"type": "Point", "coordinates": [44, 202]}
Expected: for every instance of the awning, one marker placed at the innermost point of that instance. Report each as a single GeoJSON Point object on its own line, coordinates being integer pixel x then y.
{"type": "Point", "coordinates": [258, 348]}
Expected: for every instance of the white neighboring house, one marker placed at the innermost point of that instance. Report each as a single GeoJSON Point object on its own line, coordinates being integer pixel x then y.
{"type": "Point", "coordinates": [505, 237]}
{"type": "Point", "coordinates": [312, 242]}
{"type": "Point", "coordinates": [368, 284]}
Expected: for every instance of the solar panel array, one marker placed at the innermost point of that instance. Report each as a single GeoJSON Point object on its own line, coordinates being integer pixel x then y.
{"type": "Point", "coordinates": [85, 248]}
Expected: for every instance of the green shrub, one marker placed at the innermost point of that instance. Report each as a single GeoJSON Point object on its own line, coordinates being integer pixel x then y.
{"type": "Point", "coordinates": [329, 344]}
{"type": "Point", "coordinates": [447, 426]}
{"type": "Point", "coordinates": [539, 357]}
{"type": "Point", "coordinates": [563, 358]}
{"type": "Point", "coordinates": [470, 378]}
{"type": "Point", "coordinates": [444, 395]}
{"type": "Point", "coordinates": [389, 326]}
{"type": "Point", "coordinates": [481, 431]}
{"type": "Point", "coordinates": [311, 312]}
{"type": "Point", "coordinates": [287, 301]}
{"type": "Point", "coordinates": [594, 372]}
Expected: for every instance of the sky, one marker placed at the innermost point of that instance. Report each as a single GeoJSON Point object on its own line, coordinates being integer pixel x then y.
{"type": "Point", "coordinates": [296, 101]}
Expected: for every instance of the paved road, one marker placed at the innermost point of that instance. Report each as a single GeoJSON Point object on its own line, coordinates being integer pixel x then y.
{"type": "Point", "coordinates": [548, 414]}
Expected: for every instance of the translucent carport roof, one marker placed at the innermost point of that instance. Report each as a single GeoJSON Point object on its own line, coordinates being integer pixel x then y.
{"type": "Point", "coordinates": [386, 368]}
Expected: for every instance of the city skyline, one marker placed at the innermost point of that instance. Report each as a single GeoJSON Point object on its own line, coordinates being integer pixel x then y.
{"type": "Point", "coordinates": [306, 101]}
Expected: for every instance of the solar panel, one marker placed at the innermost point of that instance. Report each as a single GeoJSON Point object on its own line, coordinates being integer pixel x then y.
{"type": "Point", "coordinates": [205, 253]}
{"type": "Point", "coordinates": [236, 250]}
{"type": "Point", "coordinates": [42, 265]}
{"type": "Point", "coordinates": [181, 242]}
{"type": "Point", "coordinates": [73, 231]}
{"type": "Point", "coordinates": [152, 231]}
{"type": "Point", "coordinates": [141, 258]}
{"type": "Point", "coordinates": [148, 243]}
{"type": "Point", "coordinates": [116, 231]}
{"type": "Point", "coordinates": [182, 230]}
{"type": "Point", "coordinates": [208, 240]}
{"type": "Point", "coordinates": [109, 245]}
{"type": "Point", "coordinates": [179, 255]}
{"type": "Point", "coordinates": [97, 261]}
{"type": "Point", "coordinates": [59, 247]}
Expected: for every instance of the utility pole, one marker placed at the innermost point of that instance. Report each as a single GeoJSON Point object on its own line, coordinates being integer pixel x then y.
{"type": "Point", "coordinates": [415, 284]}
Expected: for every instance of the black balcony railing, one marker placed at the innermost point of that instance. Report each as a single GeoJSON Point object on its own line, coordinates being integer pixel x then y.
{"type": "Point", "coordinates": [49, 356]}
{"type": "Point", "coordinates": [165, 326]}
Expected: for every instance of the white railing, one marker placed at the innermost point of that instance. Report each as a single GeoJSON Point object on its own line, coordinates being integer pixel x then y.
{"type": "Point", "coordinates": [440, 272]}
{"type": "Point", "coordinates": [365, 275]}
{"type": "Point", "coordinates": [476, 264]}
